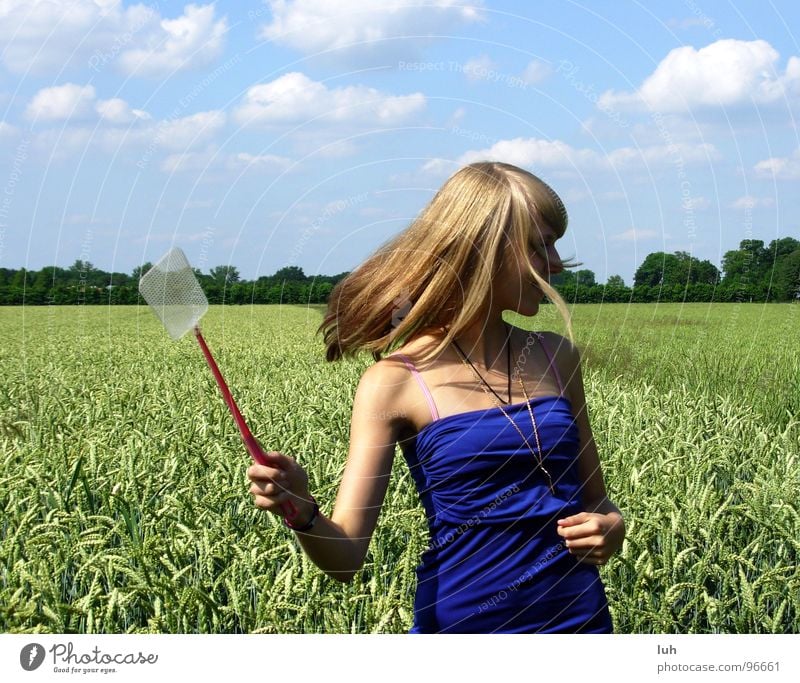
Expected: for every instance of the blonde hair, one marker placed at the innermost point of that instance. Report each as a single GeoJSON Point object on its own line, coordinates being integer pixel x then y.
{"type": "Point", "coordinates": [438, 271]}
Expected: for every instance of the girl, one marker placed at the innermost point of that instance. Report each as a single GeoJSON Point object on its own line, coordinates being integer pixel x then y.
{"type": "Point", "coordinates": [503, 458]}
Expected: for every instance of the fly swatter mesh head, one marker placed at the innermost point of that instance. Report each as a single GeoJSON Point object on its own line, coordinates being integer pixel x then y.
{"type": "Point", "coordinates": [173, 292]}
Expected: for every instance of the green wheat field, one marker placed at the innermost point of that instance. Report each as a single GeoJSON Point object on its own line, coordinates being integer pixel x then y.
{"type": "Point", "coordinates": [125, 504]}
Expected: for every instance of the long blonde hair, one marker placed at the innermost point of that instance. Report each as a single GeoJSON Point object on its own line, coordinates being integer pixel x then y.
{"type": "Point", "coordinates": [437, 273]}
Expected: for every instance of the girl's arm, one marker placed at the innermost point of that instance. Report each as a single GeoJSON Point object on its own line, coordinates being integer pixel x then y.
{"type": "Point", "coordinates": [595, 534]}
{"type": "Point", "coordinates": [338, 544]}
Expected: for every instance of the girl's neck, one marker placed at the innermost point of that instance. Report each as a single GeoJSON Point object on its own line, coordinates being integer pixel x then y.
{"type": "Point", "coordinates": [486, 343]}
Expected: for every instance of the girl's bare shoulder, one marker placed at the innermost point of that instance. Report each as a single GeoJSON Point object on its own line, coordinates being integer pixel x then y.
{"type": "Point", "coordinates": [392, 372]}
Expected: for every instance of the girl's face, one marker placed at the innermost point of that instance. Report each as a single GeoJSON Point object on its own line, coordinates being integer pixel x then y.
{"type": "Point", "coordinates": [516, 288]}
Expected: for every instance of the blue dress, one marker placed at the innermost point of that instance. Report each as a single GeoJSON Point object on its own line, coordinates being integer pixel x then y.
{"type": "Point", "coordinates": [495, 562]}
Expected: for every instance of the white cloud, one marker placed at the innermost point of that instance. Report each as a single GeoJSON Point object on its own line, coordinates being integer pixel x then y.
{"type": "Point", "coordinates": [780, 168]}
{"type": "Point", "coordinates": [7, 130]}
{"type": "Point", "coordinates": [537, 153]}
{"type": "Point", "coordinates": [295, 97]}
{"type": "Point", "coordinates": [61, 102]}
{"type": "Point", "coordinates": [696, 203]}
{"type": "Point", "coordinates": [42, 35]}
{"type": "Point", "coordinates": [117, 110]}
{"type": "Point", "coordinates": [657, 155]}
{"type": "Point", "coordinates": [433, 167]}
{"type": "Point", "coordinates": [71, 101]}
{"type": "Point", "coordinates": [211, 158]}
{"type": "Point", "coordinates": [313, 26]}
{"type": "Point", "coordinates": [144, 140]}
{"type": "Point", "coordinates": [247, 161]}
{"type": "Point", "coordinates": [180, 134]}
{"type": "Point", "coordinates": [479, 68]}
{"type": "Point", "coordinates": [671, 128]}
{"type": "Point", "coordinates": [749, 202]}
{"type": "Point", "coordinates": [534, 152]}
{"type": "Point", "coordinates": [633, 234]}
{"type": "Point", "coordinates": [536, 72]}
{"type": "Point", "coordinates": [61, 144]}
{"type": "Point", "coordinates": [456, 117]}
{"type": "Point", "coordinates": [191, 40]}
{"type": "Point", "coordinates": [725, 73]}
{"type": "Point", "coordinates": [190, 161]}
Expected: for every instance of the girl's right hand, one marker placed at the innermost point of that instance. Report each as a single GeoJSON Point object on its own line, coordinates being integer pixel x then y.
{"type": "Point", "coordinates": [281, 481]}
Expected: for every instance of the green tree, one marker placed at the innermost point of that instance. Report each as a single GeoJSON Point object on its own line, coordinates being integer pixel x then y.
{"type": "Point", "coordinates": [239, 293]}
{"type": "Point", "coordinates": [651, 271]}
{"type": "Point", "coordinates": [585, 278]}
{"type": "Point", "coordinates": [20, 278]}
{"type": "Point", "coordinates": [290, 274]}
{"type": "Point", "coordinates": [777, 275]}
{"type": "Point", "coordinates": [615, 281]}
{"type": "Point", "coordinates": [225, 274]}
{"type": "Point", "coordinates": [786, 280]}
{"type": "Point", "coordinates": [704, 272]}
{"type": "Point", "coordinates": [138, 271]}
{"type": "Point", "coordinates": [759, 255]}
{"type": "Point", "coordinates": [46, 278]}
{"type": "Point", "coordinates": [564, 278]}
{"type": "Point", "coordinates": [781, 247]}
{"type": "Point", "coordinates": [81, 267]}
{"type": "Point", "coordinates": [677, 269]}
{"type": "Point", "coordinates": [322, 290]}
{"type": "Point", "coordinates": [746, 265]}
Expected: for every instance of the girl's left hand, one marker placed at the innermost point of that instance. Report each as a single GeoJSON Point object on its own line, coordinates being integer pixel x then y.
{"type": "Point", "coordinates": [592, 536]}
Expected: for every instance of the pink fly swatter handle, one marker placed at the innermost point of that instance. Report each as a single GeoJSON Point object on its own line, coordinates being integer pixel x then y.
{"type": "Point", "coordinates": [253, 447]}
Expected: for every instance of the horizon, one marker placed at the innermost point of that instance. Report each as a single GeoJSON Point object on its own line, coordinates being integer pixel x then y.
{"type": "Point", "coordinates": [272, 134]}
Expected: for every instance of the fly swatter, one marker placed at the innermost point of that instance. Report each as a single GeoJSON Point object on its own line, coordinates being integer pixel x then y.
{"type": "Point", "coordinates": [173, 292]}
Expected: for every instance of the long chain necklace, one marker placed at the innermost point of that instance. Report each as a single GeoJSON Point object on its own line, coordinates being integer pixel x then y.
{"type": "Point", "coordinates": [493, 395]}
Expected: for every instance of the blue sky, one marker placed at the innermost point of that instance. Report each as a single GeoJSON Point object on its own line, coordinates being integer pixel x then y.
{"type": "Point", "coordinates": [308, 132]}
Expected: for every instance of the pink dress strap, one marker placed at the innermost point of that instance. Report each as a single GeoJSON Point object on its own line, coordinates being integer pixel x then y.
{"type": "Point", "coordinates": [421, 382]}
{"type": "Point", "coordinates": [552, 362]}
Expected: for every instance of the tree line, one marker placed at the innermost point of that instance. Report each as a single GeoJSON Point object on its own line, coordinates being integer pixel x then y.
{"type": "Point", "coordinates": [82, 283]}
{"type": "Point", "coordinates": [752, 272]}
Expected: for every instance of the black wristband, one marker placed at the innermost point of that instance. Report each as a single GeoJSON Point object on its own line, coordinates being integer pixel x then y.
{"type": "Point", "coordinates": [309, 523]}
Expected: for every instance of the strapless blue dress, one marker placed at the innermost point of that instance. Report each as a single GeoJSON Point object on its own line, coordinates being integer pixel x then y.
{"type": "Point", "coordinates": [495, 563]}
